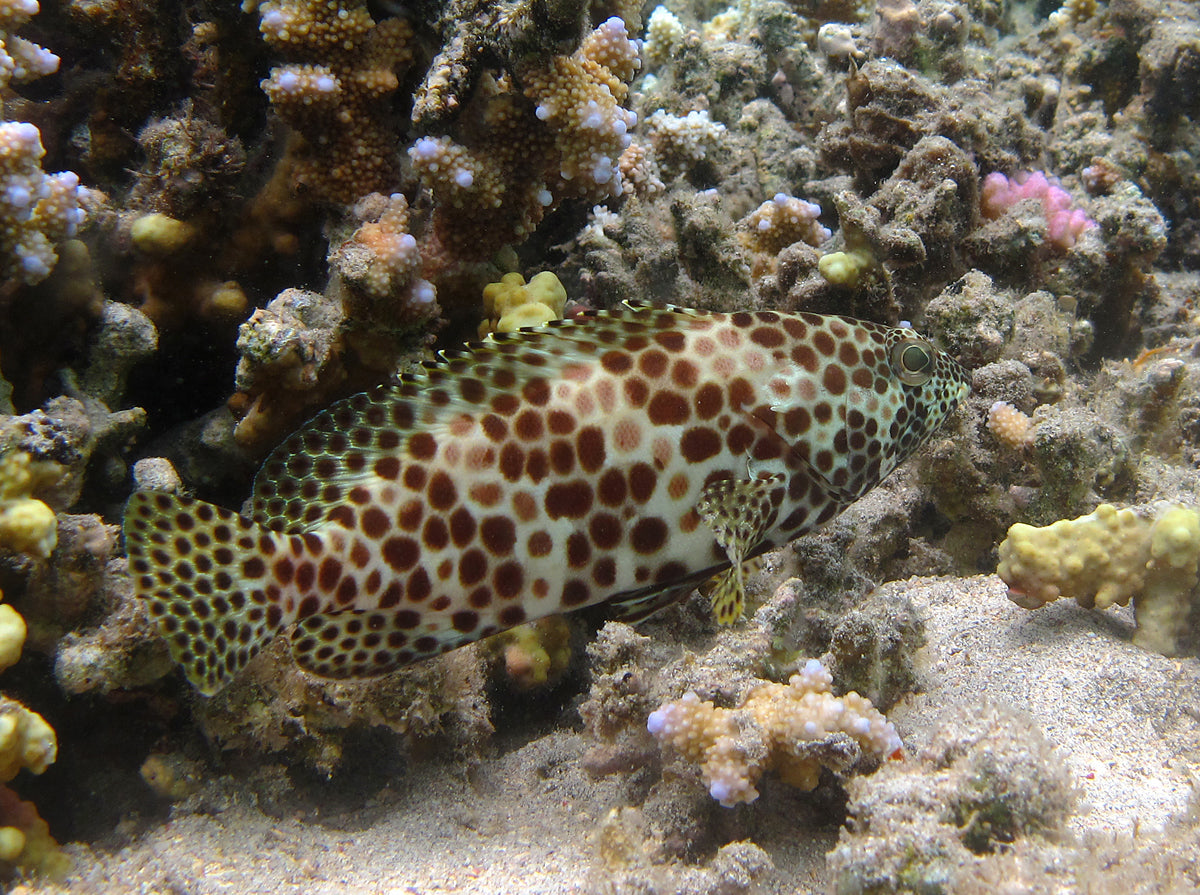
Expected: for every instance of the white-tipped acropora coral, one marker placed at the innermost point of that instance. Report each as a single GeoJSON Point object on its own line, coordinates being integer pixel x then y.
{"type": "Point", "coordinates": [37, 210]}
{"type": "Point", "coordinates": [1010, 425]}
{"type": "Point", "coordinates": [775, 728]}
{"type": "Point", "coordinates": [781, 221]}
{"type": "Point", "coordinates": [1108, 557]}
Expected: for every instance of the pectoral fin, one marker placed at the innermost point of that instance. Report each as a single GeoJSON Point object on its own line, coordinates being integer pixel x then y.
{"type": "Point", "coordinates": [740, 513]}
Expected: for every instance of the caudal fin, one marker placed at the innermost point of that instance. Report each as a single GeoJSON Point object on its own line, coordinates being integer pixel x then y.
{"type": "Point", "coordinates": [207, 575]}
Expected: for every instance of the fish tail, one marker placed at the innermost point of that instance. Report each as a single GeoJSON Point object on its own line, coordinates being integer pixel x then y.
{"type": "Point", "coordinates": [206, 573]}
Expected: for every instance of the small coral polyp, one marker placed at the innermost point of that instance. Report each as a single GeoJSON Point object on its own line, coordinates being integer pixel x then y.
{"type": "Point", "coordinates": [778, 727]}
{"type": "Point", "coordinates": [782, 221]}
{"type": "Point", "coordinates": [1012, 427]}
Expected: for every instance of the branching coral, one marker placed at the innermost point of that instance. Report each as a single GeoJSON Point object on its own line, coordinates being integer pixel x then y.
{"type": "Point", "coordinates": [1109, 557]}
{"type": "Point", "coordinates": [553, 128]}
{"type": "Point", "coordinates": [343, 66]}
{"type": "Point", "coordinates": [578, 97]}
{"type": "Point", "coordinates": [379, 268]}
{"type": "Point", "coordinates": [779, 726]}
{"type": "Point", "coordinates": [21, 60]}
{"type": "Point", "coordinates": [37, 210]}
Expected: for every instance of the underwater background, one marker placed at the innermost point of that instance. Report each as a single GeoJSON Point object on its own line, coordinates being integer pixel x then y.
{"type": "Point", "coordinates": [218, 218]}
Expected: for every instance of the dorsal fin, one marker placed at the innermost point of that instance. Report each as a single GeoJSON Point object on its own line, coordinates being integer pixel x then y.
{"type": "Point", "coordinates": [313, 471]}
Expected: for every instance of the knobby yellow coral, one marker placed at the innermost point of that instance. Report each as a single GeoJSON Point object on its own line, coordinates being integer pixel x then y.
{"type": "Point", "coordinates": [512, 303]}
{"type": "Point", "coordinates": [26, 742]}
{"type": "Point", "coordinates": [845, 268]}
{"type": "Point", "coordinates": [778, 726]}
{"type": "Point", "coordinates": [26, 524]}
{"type": "Point", "coordinates": [1110, 556]}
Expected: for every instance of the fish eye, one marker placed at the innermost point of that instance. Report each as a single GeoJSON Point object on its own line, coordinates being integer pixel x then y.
{"type": "Point", "coordinates": [912, 361]}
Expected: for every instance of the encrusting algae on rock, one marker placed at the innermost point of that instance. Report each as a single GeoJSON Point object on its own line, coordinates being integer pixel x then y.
{"type": "Point", "coordinates": [649, 448]}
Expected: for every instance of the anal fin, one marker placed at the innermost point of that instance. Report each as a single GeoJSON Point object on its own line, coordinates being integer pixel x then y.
{"type": "Point", "coordinates": [640, 605]}
{"type": "Point", "coordinates": [366, 643]}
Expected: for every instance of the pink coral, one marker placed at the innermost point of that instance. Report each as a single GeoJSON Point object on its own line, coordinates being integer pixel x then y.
{"type": "Point", "coordinates": [1064, 221]}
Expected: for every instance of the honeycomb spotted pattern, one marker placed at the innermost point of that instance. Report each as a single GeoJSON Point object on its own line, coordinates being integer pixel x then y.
{"type": "Point", "coordinates": [623, 457]}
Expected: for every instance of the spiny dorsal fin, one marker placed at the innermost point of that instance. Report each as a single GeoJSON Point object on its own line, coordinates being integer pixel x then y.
{"type": "Point", "coordinates": [740, 513]}
{"type": "Point", "coordinates": [205, 572]}
{"type": "Point", "coordinates": [313, 471]}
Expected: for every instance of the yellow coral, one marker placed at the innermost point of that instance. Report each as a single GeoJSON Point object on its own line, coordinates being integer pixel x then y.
{"type": "Point", "coordinates": [160, 234]}
{"type": "Point", "coordinates": [534, 654]}
{"type": "Point", "coordinates": [512, 303]}
{"type": "Point", "coordinates": [775, 728]}
{"type": "Point", "coordinates": [12, 636]}
{"type": "Point", "coordinates": [25, 839]}
{"type": "Point", "coordinates": [1109, 557]}
{"type": "Point", "coordinates": [26, 525]}
{"type": "Point", "coordinates": [845, 268]}
{"type": "Point", "coordinates": [26, 740]}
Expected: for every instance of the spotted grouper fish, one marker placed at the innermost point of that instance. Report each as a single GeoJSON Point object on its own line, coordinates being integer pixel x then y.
{"type": "Point", "coordinates": [618, 458]}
